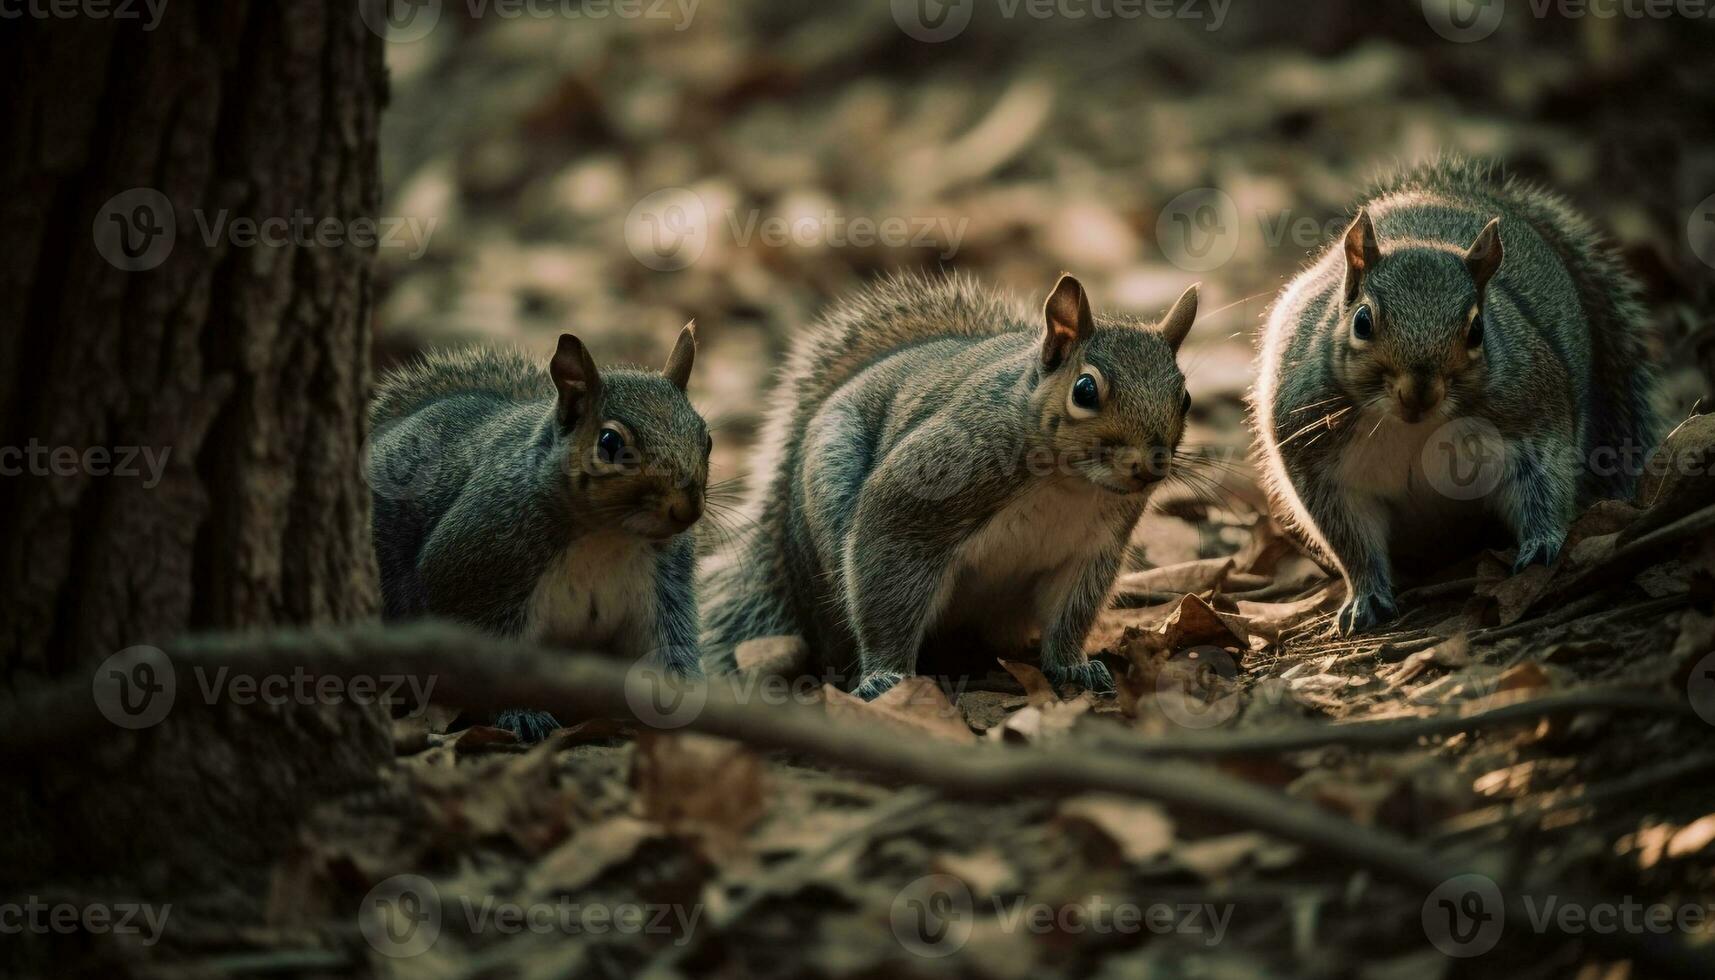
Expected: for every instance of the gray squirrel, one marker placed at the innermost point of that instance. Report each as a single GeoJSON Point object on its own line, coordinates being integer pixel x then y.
{"type": "Point", "coordinates": [1463, 320]}
{"type": "Point", "coordinates": [549, 504]}
{"type": "Point", "coordinates": [937, 458]}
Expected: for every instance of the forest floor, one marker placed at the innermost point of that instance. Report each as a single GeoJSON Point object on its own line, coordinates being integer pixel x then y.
{"type": "Point", "coordinates": [1562, 783]}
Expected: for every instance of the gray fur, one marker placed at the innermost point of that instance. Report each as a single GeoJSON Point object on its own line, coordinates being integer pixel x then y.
{"type": "Point", "coordinates": [479, 489]}
{"type": "Point", "coordinates": [902, 425]}
{"type": "Point", "coordinates": [1560, 373]}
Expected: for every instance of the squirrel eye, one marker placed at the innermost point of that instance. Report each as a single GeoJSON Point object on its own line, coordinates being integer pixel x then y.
{"type": "Point", "coordinates": [1185, 404]}
{"type": "Point", "coordinates": [609, 444]}
{"type": "Point", "coordinates": [708, 444]}
{"type": "Point", "coordinates": [1474, 336]}
{"type": "Point", "coordinates": [1085, 394]}
{"type": "Point", "coordinates": [1363, 323]}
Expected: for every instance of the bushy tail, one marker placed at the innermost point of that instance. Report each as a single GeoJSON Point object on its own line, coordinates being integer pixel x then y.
{"type": "Point", "coordinates": [743, 598]}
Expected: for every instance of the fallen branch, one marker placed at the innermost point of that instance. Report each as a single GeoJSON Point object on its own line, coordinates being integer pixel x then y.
{"type": "Point", "coordinates": [484, 673]}
{"type": "Point", "coordinates": [1402, 731]}
{"type": "Point", "coordinates": [1636, 555]}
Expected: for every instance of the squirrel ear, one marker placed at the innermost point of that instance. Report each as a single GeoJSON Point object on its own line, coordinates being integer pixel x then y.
{"type": "Point", "coordinates": [1484, 255]}
{"type": "Point", "coordinates": [1068, 321]}
{"type": "Point", "coordinates": [575, 378]}
{"type": "Point", "coordinates": [678, 369]}
{"type": "Point", "coordinates": [1362, 251]}
{"type": "Point", "coordinates": [1178, 321]}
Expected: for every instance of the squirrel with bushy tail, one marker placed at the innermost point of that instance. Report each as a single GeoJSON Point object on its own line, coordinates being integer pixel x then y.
{"type": "Point", "coordinates": [1466, 363]}
{"type": "Point", "coordinates": [940, 461]}
{"type": "Point", "coordinates": [549, 502]}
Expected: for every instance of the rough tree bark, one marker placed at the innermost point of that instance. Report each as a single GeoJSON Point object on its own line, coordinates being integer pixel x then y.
{"type": "Point", "coordinates": [243, 365]}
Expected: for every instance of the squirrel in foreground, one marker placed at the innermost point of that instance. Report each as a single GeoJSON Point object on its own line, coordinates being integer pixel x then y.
{"type": "Point", "coordinates": [1468, 351]}
{"type": "Point", "coordinates": [550, 504]}
{"type": "Point", "coordinates": [938, 459]}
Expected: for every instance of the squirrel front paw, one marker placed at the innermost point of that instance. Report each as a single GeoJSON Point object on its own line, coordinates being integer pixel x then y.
{"type": "Point", "coordinates": [1536, 551]}
{"type": "Point", "coordinates": [1091, 675]}
{"type": "Point", "coordinates": [1363, 611]}
{"type": "Point", "coordinates": [874, 685]}
{"type": "Point", "coordinates": [530, 726]}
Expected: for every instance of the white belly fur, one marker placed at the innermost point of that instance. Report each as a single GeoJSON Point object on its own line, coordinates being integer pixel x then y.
{"type": "Point", "coordinates": [1013, 573]}
{"type": "Point", "coordinates": [1389, 466]}
{"type": "Point", "coordinates": [597, 594]}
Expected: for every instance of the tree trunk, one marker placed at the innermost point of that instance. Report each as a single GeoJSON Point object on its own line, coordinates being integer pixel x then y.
{"type": "Point", "coordinates": [144, 335]}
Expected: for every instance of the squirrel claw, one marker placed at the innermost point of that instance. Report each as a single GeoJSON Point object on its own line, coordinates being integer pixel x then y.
{"type": "Point", "coordinates": [874, 685]}
{"type": "Point", "coordinates": [1091, 675]}
{"type": "Point", "coordinates": [530, 726]}
{"type": "Point", "coordinates": [1364, 611]}
{"type": "Point", "coordinates": [1539, 551]}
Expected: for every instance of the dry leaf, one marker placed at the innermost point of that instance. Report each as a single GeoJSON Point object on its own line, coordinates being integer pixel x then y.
{"type": "Point", "coordinates": [1195, 623]}
{"type": "Point", "coordinates": [1216, 858]}
{"type": "Point", "coordinates": [1524, 677]}
{"type": "Point", "coordinates": [1036, 686]}
{"type": "Point", "coordinates": [1270, 619]}
{"type": "Point", "coordinates": [708, 789]}
{"type": "Point", "coordinates": [774, 656]}
{"type": "Point", "coordinates": [915, 705]}
{"type": "Point", "coordinates": [1692, 838]}
{"type": "Point", "coordinates": [985, 871]}
{"type": "Point", "coordinates": [1191, 576]}
{"type": "Point", "coordinates": [578, 861]}
{"type": "Point", "coordinates": [1141, 831]}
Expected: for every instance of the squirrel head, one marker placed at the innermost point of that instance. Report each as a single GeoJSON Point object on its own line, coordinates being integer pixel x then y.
{"type": "Point", "coordinates": [637, 453]}
{"type": "Point", "coordinates": [1411, 330]}
{"type": "Point", "coordinates": [1111, 397]}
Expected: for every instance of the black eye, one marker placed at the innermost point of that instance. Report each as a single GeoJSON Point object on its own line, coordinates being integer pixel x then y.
{"type": "Point", "coordinates": [1085, 394]}
{"type": "Point", "coordinates": [708, 445]}
{"type": "Point", "coordinates": [609, 444]}
{"type": "Point", "coordinates": [1185, 404]}
{"type": "Point", "coordinates": [1363, 323]}
{"type": "Point", "coordinates": [1474, 336]}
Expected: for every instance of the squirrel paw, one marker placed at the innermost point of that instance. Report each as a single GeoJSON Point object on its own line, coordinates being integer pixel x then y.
{"type": "Point", "coordinates": [1364, 611]}
{"type": "Point", "coordinates": [875, 684]}
{"type": "Point", "coordinates": [1537, 551]}
{"type": "Point", "coordinates": [1091, 675]}
{"type": "Point", "coordinates": [530, 726]}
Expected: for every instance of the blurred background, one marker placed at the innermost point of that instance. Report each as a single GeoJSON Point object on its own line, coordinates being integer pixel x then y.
{"type": "Point", "coordinates": [617, 168]}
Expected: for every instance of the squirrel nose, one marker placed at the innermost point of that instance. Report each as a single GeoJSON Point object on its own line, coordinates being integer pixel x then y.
{"type": "Point", "coordinates": [1416, 395]}
{"type": "Point", "coordinates": [685, 511]}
